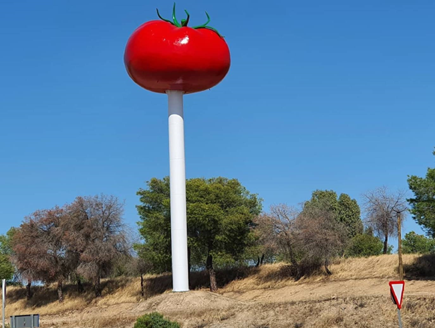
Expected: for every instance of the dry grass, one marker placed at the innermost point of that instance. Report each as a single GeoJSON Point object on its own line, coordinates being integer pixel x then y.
{"type": "Point", "coordinates": [383, 266]}
{"type": "Point", "coordinates": [267, 296]}
{"type": "Point", "coordinates": [45, 299]}
{"type": "Point", "coordinates": [345, 312]}
{"type": "Point", "coordinates": [279, 275]}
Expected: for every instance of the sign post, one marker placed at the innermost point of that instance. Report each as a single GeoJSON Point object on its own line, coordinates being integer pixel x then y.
{"type": "Point", "coordinates": [397, 292]}
{"type": "Point", "coordinates": [3, 301]}
{"type": "Point", "coordinates": [399, 318]}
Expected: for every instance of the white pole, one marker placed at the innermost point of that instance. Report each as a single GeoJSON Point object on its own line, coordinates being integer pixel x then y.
{"type": "Point", "coordinates": [3, 301]}
{"type": "Point", "coordinates": [179, 237]}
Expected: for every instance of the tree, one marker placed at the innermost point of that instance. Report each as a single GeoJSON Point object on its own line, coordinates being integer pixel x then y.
{"type": "Point", "coordinates": [220, 216]}
{"type": "Point", "coordinates": [349, 215]}
{"type": "Point", "coordinates": [344, 209]}
{"type": "Point", "coordinates": [325, 199]}
{"type": "Point", "coordinates": [96, 234]}
{"type": "Point", "coordinates": [320, 235]}
{"type": "Point", "coordinates": [40, 252]}
{"type": "Point", "coordinates": [365, 244]}
{"type": "Point", "coordinates": [6, 268]}
{"type": "Point", "coordinates": [414, 243]}
{"type": "Point", "coordinates": [275, 232]}
{"type": "Point", "coordinates": [155, 225]}
{"type": "Point", "coordinates": [382, 209]}
{"type": "Point", "coordinates": [311, 237]}
{"type": "Point", "coordinates": [423, 204]}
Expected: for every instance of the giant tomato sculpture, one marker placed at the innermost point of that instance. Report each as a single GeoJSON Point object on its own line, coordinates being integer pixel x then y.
{"type": "Point", "coordinates": [172, 58]}
{"type": "Point", "coordinates": [162, 55]}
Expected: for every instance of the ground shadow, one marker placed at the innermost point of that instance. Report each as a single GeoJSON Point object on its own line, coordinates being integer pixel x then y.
{"type": "Point", "coordinates": [45, 295]}
{"type": "Point", "coordinates": [200, 279]}
{"type": "Point", "coordinates": [155, 285]}
{"type": "Point", "coordinates": [422, 268]}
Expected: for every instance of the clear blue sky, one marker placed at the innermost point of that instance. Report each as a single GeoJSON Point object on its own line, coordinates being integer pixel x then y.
{"type": "Point", "coordinates": [334, 95]}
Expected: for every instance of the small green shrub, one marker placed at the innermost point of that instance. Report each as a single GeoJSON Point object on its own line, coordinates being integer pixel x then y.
{"type": "Point", "coordinates": [364, 245]}
{"type": "Point", "coordinates": [154, 320]}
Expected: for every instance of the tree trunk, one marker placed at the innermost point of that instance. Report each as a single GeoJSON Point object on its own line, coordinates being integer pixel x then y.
{"type": "Point", "coordinates": [291, 253]}
{"type": "Point", "coordinates": [60, 292]}
{"type": "Point", "coordinates": [326, 266]}
{"type": "Point", "coordinates": [189, 267]}
{"type": "Point", "coordinates": [294, 262]}
{"type": "Point", "coordinates": [28, 291]}
{"type": "Point", "coordinates": [97, 287]}
{"type": "Point", "coordinates": [212, 275]}
{"type": "Point", "coordinates": [385, 245]}
{"type": "Point", "coordinates": [80, 288]}
{"type": "Point", "coordinates": [260, 260]}
{"type": "Point", "coordinates": [142, 284]}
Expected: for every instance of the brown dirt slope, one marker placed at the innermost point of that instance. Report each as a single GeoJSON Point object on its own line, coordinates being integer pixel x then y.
{"type": "Point", "coordinates": [356, 295]}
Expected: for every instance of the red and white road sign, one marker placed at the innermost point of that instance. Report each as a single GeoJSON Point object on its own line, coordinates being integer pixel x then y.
{"type": "Point", "coordinates": [397, 291]}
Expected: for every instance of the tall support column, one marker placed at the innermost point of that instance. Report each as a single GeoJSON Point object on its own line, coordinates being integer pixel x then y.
{"type": "Point", "coordinates": [179, 237]}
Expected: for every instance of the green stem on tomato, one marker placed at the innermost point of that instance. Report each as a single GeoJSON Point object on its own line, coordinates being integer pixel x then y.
{"type": "Point", "coordinates": [204, 25]}
{"type": "Point", "coordinates": [174, 16]}
{"type": "Point", "coordinates": [184, 22]}
{"type": "Point", "coordinates": [165, 20]}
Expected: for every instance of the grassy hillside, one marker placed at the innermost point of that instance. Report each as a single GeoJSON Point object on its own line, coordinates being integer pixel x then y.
{"type": "Point", "coordinates": [355, 295]}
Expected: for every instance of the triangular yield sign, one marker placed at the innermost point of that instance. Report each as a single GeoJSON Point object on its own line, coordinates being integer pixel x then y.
{"type": "Point", "coordinates": [397, 290]}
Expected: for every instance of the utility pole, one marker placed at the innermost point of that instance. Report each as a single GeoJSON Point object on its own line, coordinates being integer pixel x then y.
{"type": "Point", "coordinates": [400, 255]}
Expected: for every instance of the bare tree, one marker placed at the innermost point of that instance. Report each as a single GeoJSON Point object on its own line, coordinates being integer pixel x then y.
{"type": "Point", "coordinates": [308, 238]}
{"type": "Point", "coordinates": [96, 233]}
{"type": "Point", "coordinates": [142, 268]}
{"type": "Point", "coordinates": [40, 252]}
{"type": "Point", "coordinates": [319, 236]}
{"type": "Point", "coordinates": [383, 210]}
{"type": "Point", "coordinates": [275, 232]}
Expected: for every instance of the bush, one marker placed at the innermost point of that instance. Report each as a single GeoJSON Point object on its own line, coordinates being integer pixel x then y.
{"type": "Point", "coordinates": [414, 243]}
{"type": "Point", "coordinates": [364, 245]}
{"type": "Point", "coordinates": [154, 320]}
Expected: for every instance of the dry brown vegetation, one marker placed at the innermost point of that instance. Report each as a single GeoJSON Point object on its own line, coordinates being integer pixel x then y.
{"type": "Point", "coordinates": [355, 295]}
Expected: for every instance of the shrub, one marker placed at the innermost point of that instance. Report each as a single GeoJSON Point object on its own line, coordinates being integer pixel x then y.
{"type": "Point", "coordinates": [154, 320]}
{"type": "Point", "coordinates": [364, 245]}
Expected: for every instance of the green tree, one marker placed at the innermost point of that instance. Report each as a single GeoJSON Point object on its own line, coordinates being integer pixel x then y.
{"type": "Point", "coordinates": [345, 210]}
{"type": "Point", "coordinates": [220, 216]}
{"type": "Point", "coordinates": [365, 244]}
{"type": "Point", "coordinates": [414, 243]}
{"type": "Point", "coordinates": [349, 215]}
{"type": "Point", "coordinates": [423, 204]}
{"type": "Point", "coordinates": [6, 267]}
{"type": "Point", "coordinates": [327, 199]}
{"type": "Point", "coordinates": [155, 225]}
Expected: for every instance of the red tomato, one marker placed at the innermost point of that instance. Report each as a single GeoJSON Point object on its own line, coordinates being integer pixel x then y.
{"type": "Point", "coordinates": [161, 56]}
